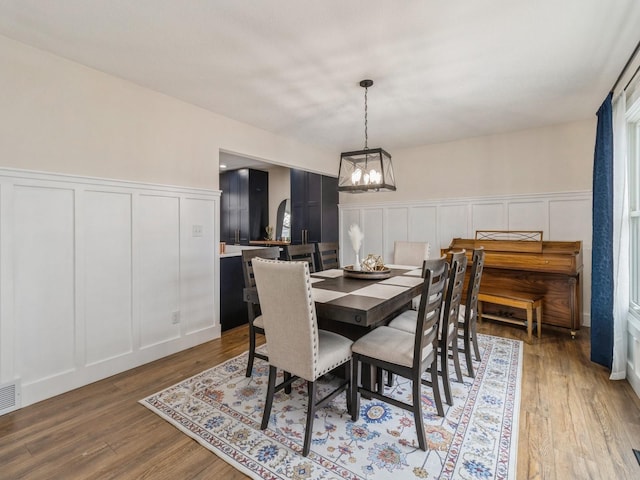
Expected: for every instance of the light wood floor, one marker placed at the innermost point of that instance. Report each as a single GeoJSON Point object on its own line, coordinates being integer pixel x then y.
{"type": "Point", "coordinates": [574, 422]}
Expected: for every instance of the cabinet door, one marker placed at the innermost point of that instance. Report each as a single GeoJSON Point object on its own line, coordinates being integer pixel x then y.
{"type": "Point", "coordinates": [329, 209]}
{"type": "Point", "coordinates": [314, 208]}
{"type": "Point", "coordinates": [242, 212]}
{"type": "Point", "coordinates": [298, 205]}
{"type": "Point", "coordinates": [226, 230]}
{"type": "Point", "coordinates": [233, 309]}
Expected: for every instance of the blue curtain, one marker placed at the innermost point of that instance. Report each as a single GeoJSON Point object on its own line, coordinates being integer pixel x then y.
{"type": "Point", "coordinates": [602, 255]}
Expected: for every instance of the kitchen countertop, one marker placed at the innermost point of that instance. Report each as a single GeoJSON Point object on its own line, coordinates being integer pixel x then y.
{"type": "Point", "coordinates": [269, 243]}
{"type": "Point", "coordinates": [236, 250]}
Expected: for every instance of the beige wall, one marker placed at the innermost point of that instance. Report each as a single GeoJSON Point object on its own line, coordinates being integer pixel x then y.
{"type": "Point", "coordinates": [59, 116]}
{"type": "Point", "coordinates": [555, 158]}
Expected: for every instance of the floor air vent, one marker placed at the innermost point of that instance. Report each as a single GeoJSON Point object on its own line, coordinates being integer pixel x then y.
{"type": "Point", "coordinates": [9, 397]}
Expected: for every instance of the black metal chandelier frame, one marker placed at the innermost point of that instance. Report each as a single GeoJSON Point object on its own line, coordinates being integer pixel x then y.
{"type": "Point", "coordinates": [369, 169]}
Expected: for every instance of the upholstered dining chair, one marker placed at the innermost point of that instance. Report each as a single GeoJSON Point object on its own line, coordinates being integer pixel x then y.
{"type": "Point", "coordinates": [468, 316]}
{"type": "Point", "coordinates": [296, 345]}
{"type": "Point", "coordinates": [410, 253]}
{"type": "Point", "coordinates": [256, 322]}
{"type": "Point", "coordinates": [407, 354]}
{"type": "Point", "coordinates": [302, 253]}
{"type": "Point", "coordinates": [328, 254]}
{"type": "Point", "coordinates": [448, 327]}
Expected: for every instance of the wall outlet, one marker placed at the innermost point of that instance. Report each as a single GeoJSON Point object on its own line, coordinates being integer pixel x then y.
{"type": "Point", "coordinates": [175, 317]}
{"type": "Point", "coordinates": [196, 230]}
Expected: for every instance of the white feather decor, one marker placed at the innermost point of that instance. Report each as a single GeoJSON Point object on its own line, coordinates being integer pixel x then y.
{"type": "Point", "coordinates": [356, 236]}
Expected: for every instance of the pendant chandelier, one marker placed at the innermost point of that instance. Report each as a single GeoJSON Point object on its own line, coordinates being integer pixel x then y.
{"type": "Point", "coordinates": [368, 170]}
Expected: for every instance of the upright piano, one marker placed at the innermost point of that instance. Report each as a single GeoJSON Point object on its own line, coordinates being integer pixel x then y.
{"type": "Point", "coordinates": [522, 262]}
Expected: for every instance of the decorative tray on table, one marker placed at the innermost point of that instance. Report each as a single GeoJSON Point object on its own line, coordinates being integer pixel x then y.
{"type": "Point", "coordinates": [365, 274]}
{"type": "Point", "coordinates": [372, 268]}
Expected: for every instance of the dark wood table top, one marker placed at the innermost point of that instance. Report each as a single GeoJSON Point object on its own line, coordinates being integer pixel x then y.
{"type": "Point", "coordinates": [365, 303]}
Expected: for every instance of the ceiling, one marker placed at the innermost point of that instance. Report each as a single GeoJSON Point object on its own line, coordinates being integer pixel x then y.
{"type": "Point", "coordinates": [442, 70]}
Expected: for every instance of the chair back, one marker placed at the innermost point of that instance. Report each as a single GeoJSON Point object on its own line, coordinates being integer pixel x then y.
{"type": "Point", "coordinates": [436, 273]}
{"type": "Point", "coordinates": [289, 314]}
{"type": "Point", "coordinates": [410, 253]}
{"type": "Point", "coordinates": [253, 305]}
{"type": "Point", "coordinates": [453, 297]}
{"type": "Point", "coordinates": [302, 253]}
{"type": "Point", "coordinates": [328, 254]}
{"type": "Point", "coordinates": [247, 262]}
{"type": "Point", "coordinates": [475, 275]}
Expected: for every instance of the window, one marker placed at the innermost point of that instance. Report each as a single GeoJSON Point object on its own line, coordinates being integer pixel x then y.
{"type": "Point", "coordinates": [633, 129]}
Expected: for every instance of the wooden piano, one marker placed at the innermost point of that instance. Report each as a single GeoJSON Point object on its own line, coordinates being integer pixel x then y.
{"type": "Point", "coordinates": [519, 261]}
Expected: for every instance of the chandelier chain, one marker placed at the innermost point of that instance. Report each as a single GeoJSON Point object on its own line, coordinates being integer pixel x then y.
{"type": "Point", "coordinates": [366, 136]}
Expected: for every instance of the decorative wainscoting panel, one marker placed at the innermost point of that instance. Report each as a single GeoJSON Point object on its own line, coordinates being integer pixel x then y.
{"type": "Point", "coordinates": [44, 277]}
{"type": "Point", "coordinates": [561, 216]}
{"type": "Point", "coordinates": [99, 276]}
{"type": "Point", "coordinates": [108, 275]}
{"type": "Point", "coordinates": [158, 242]}
{"type": "Point", "coordinates": [633, 352]}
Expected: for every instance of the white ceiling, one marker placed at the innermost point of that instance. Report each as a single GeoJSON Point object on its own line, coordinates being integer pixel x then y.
{"type": "Point", "coordinates": [442, 70]}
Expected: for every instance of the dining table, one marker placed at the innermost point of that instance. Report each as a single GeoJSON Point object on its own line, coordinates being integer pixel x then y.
{"type": "Point", "coordinates": [353, 306]}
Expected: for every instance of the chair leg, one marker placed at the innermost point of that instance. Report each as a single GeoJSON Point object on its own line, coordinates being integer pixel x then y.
{"type": "Point", "coordinates": [467, 352]}
{"type": "Point", "coordinates": [379, 382]}
{"type": "Point", "coordinates": [474, 338]}
{"type": "Point", "coordinates": [271, 390]}
{"type": "Point", "coordinates": [311, 413]}
{"type": "Point", "coordinates": [444, 371]}
{"type": "Point", "coordinates": [355, 394]}
{"type": "Point", "coordinates": [252, 350]}
{"type": "Point", "coordinates": [287, 377]}
{"type": "Point", "coordinates": [417, 413]}
{"type": "Point", "coordinates": [348, 392]}
{"type": "Point", "coordinates": [435, 386]}
{"type": "Point", "coordinates": [456, 356]}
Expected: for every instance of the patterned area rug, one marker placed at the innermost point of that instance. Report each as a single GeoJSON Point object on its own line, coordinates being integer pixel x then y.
{"type": "Point", "coordinates": [477, 438]}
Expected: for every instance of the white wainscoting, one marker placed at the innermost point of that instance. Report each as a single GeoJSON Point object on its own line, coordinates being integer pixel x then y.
{"type": "Point", "coordinates": [99, 276]}
{"type": "Point", "coordinates": [561, 216]}
{"type": "Point", "coordinates": [633, 353]}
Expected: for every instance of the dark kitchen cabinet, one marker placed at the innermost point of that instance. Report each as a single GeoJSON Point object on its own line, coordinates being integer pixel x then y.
{"type": "Point", "coordinates": [233, 309]}
{"type": "Point", "coordinates": [314, 207]}
{"type": "Point", "coordinates": [244, 205]}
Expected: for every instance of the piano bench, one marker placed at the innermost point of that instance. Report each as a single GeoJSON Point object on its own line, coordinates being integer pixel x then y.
{"type": "Point", "coordinates": [529, 302]}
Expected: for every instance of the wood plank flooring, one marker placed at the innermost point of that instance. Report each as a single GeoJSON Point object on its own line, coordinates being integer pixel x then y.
{"type": "Point", "coordinates": [574, 422]}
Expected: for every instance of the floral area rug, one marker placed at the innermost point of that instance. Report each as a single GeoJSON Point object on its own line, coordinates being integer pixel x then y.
{"type": "Point", "coordinates": [477, 439]}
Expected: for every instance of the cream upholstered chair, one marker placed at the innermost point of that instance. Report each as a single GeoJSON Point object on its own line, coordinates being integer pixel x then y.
{"type": "Point", "coordinates": [410, 253]}
{"type": "Point", "coordinates": [296, 345]}
{"type": "Point", "coordinates": [256, 322]}
{"type": "Point", "coordinates": [408, 354]}
{"type": "Point", "coordinates": [468, 316]}
{"type": "Point", "coordinates": [299, 253]}
{"type": "Point", "coordinates": [448, 329]}
{"type": "Point", "coordinates": [327, 254]}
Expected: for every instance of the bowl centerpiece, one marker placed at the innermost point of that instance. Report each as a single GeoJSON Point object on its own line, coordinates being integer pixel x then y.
{"type": "Point", "coordinates": [371, 268]}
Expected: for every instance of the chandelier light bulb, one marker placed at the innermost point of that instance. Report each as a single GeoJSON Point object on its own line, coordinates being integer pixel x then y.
{"type": "Point", "coordinates": [356, 176]}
